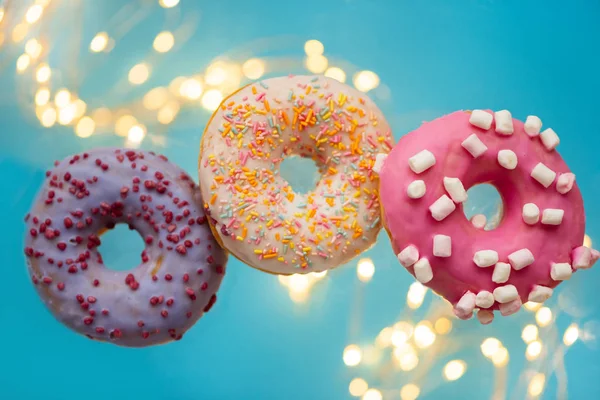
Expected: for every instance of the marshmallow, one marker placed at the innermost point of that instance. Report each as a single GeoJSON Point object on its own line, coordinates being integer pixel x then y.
{"type": "Point", "coordinates": [421, 161]}
{"type": "Point", "coordinates": [481, 119]}
{"type": "Point", "coordinates": [408, 256]}
{"type": "Point", "coordinates": [423, 270]}
{"type": "Point", "coordinates": [595, 257]}
{"type": "Point", "coordinates": [501, 272]}
{"type": "Point", "coordinates": [565, 182]}
{"type": "Point", "coordinates": [484, 299]}
{"type": "Point", "coordinates": [543, 175]}
{"type": "Point", "coordinates": [539, 294]}
{"type": "Point", "coordinates": [379, 160]}
{"type": "Point", "coordinates": [506, 294]}
{"type": "Point", "coordinates": [441, 208]}
{"type": "Point", "coordinates": [531, 214]}
{"type": "Point", "coordinates": [455, 189]}
{"type": "Point", "coordinates": [442, 246]}
{"type": "Point", "coordinates": [552, 216]}
{"type": "Point", "coordinates": [533, 126]}
{"type": "Point", "coordinates": [560, 271]}
{"type": "Point", "coordinates": [416, 189]}
{"type": "Point", "coordinates": [474, 146]}
{"type": "Point", "coordinates": [485, 316]}
{"type": "Point", "coordinates": [521, 259]}
{"type": "Point", "coordinates": [507, 159]}
{"type": "Point", "coordinates": [582, 257]}
{"type": "Point", "coordinates": [463, 309]}
{"type": "Point", "coordinates": [485, 258]}
{"type": "Point", "coordinates": [511, 307]}
{"type": "Point", "coordinates": [479, 221]}
{"type": "Point", "coordinates": [549, 139]}
{"type": "Point", "coordinates": [504, 122]}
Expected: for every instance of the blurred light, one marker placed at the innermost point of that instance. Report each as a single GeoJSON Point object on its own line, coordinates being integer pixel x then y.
{"type": "Point", "coordinates": [168, 3]}
{"type": "Point", "coordinates": [358, 387]}
{"type": "Point", "coordinates": [366, 80]}
{"type": "Point", "coordinates": [365, 269]}
{"type": "Point", "coordinates": [42, 96]}
{"type": "Point", "coordinates": [167, 114]}
{"type": "Point", "coordinates": [424, 336]}
{"type": "Point", "coordinates": [316, 64]}
{"type": "Point", "coordinates": [139, 73]}
{"type": "Point", "coordinates": [531, 306]}
{"type": "Point", "coordinates": [318, 275]}
{"type": "Point", "coordinates": [534, 349]}
{"type": "Point", "coordinates": [34, 13]}
{"type": "Point", "coordinates": [48, 117]}
{"type": "Point", "coordinates": [253, 68]}
{"type": "Point", "coordinates": [336, 73]}
{"type": "Point", "coordinates": [124, 124]}
{"type": "Point", "coordinates": [175, 85]}
{"type": "Point", "coordinates": [313, 48]}
{"type": "Point", "coordinates": [99, 42]}
{"type": "Point", "coordinates": [191, 89]}
{"type": "Point", "coordinates": [443, 326]}
{"type": "Point", "coordinates": [410, 391]}
{"type": "Point", "coordinates": [406, 357]}
{"type": "Point", "coordinates": [543, 316]}
{"type": "Point", "coordinates": [1, 13]}
{"type": "Point", "coordinates": [384, 339]}
{"type": "Point", "coordinates": [299, 283]}
{"type": "Point", "coordinates": [136, 134]}
{"type": "Point", "coordinates": [164, 42]}
{"type": "Point", "coordinates": [530, 333]}
{"type": "Point", "coordinates": [352, 355]}
{"type": "Point", "coordinates": [80, 108]}
{"type": "Point", "coordinates": [536, 385]}
{"type": "Point", "coordinates": [454, 369]}
{"type": "Point", "coordinates": [33, 48]}
{"type": "Point", "coordinates": [571, 335]}
{"type": "Point", "coordinates": [66, 114]}
{"type": "Point", "coordinates": [216, 74]}
{"type": "Point", "coordinates": [490, 346]}
{"type": "Point", "coordinates": [402, 331]}
{"type": "Point", "coordinates": [587, 241]}
{"type": "Point", "coordinates": [371, 355]}
{"type": "Point", "coordinates": [85, 127]}
{"type": "Point", "coordinates": [212, 99]}
{"type": "Point", "coordinates": [500, 357]}
{"type": "Point", "coordinates": [155, 98]}
{"type": "Point", "coordinates": [416, 295]}
{"type": "Point", "coordinates": [43, 73]}
{"type": "Point", "coordinates": [298, 297]}
{"type": "Point", "coordinates": [62, 98]}
{"type": "Point", "coordinates": [372, 394]}
{"type": "Point", "coordinates": [23, 62]}
{"type": "Point", "coordinates": [42, 3]}
{"type": "Point", "coordinates": [102, 116]}
{"type": "Point", "coordinates": [19, 32]}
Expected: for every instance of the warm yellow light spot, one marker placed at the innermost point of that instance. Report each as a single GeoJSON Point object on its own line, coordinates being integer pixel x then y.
{"type": "Point", "coordinates": [253, 68]}
{"type": "Point", "coordinates": [500, 358]}
{"type": "Point", "coordinates": [352, 355]}
{"type": "Point", "coordinates": [99, 42]}
{"type": "Point", "coordinates": [124, 124]}
{"type": "Point", "coordinates": [531, 306]}
{"type": "Point", "coordinates": [168, 112]}
{"type": "Point", "coordinates": [299, 297]}
{"type": "Point", "coordinates": [534, 349]}
{"type": "Point", "coordinates": [490, 346]}
{"type": "Point", "coordinates": [62, 98]}
{"type": "Point", "coordinates": [406, 357]}
{"type": "Point", "coordinates": [155, 98]}
{"type": "Point", "coordinates": [48, 117]}
{"type": "Point", "coordinates": [530, 333]}
{"type": "Point", "coordinates": [316, 64]}
{"type": "Point", "coordinates": [416, 295]}
{"type": "Point", "coordinates": [191, 89]}
{"type": "Point", "coordinates": [384, 339]}
{"type": "Point", "coordinates": [443, 326]}
{"type": "Point", "coordinates": [318, 275]}
{"type": "Point", "coordinates": [85, 127]}
{"type": "Point", "coordinates": [1, 13]}
{"type": "Point", "coordinates": [372, 394]}
{"type": "Point", "coordinates": [216, 74]}
{"type": "Point", "coordinates": [571, 335]}
{"type": "Point", "coordinates": [43, 73]}
{"type": "Point", "coordinates": [299, 283]}
{"type": "Point", "coordinates": [43, 3]}
{"type": "Point", "coordinates": [34, 13]}
{"type": "Point", "coordinates": [42, 96]}
{"type": "Point", "coordinates": [136, 134]}
{"type": "Point", "coordinates": [212, 99]}
{"type": "Point", "coordinates": [336, 73]}
{"type": "Point", "coordinates": [454, 369]}
{"type": "Point", "coordinates": [358, 387]}
{"type": "Point", "coordinates": [587, 241]}
{"type": "Point", "coordinates": [402, 331]}
{"type": "Point", "coordinates": [175, 84]}
{"type": "Point", "coordinates": [139, 73]}
{"type": "Point", "coordinates": [543, 316]}
{"type": "Point", "coordinates": [164, 42]}
{"type": "Point", "coordinates": [19, 32]}
{"type": "Point", "coordinates": [23, 63]}
{"type": "Point", "coordinates": [424, 335]}
{"type": "Point", "coordinates": [536, 385]}
{"type": "Point", "coordinates": [33, 48]}
{"type": "Point", "coordinates": [168, 3]}
{"type": "Point", "coordinates": [366, 80]}
{"type": "Point", "coordinates": [410, 391]}
{"type": "Point", "coordinates": [80, 108]}
{"type": "Point", "coordinates": [365, 269]}
{"type": "Point", "coordinates": [66, 115]}
{"type": "Point", "coordinates": [313, 48]}
{"type": "Point", "coordinates": [102, 117]}
{"type": "Point", "coordinates": [371, 355]}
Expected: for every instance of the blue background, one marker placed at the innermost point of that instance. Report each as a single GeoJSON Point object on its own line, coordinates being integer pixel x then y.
{"type": "Point", "coordinates": [436, 56]}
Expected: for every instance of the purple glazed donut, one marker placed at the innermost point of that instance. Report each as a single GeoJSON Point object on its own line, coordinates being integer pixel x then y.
{"type": "Point", "coordinates": [182, 265]}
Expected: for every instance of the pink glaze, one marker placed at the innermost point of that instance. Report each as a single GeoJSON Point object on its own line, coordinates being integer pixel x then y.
{"type": "Point", "coordinates": [409, 221]}
{"type": "Point", "coordinates": [181, 267]}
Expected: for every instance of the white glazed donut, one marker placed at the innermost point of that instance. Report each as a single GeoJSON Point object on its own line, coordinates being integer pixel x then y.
{"type": "Point", "coordinates": [254, 212]}
{"type": "Point", "coordinates": [182, 265]}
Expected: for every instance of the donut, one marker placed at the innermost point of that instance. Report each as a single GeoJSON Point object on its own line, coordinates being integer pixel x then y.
{"type": "Point", "coordinates": [538, 241]}
{"type": "Point", "coordinates": [181, 268]}
{"type": "Point", "coordinates": [254, 212]}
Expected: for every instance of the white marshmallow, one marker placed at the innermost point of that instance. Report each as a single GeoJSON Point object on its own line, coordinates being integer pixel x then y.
{"type": "Point", "coordinates": [485, 258]}
{"type": "Point", "coordinates": [552, 216]}
{"type": "Point", "coordinates": [408, 256]}
{"type": "Point", "coordinates": [549, 139]}
{"type": "Point", "coordinates": [595, 257]}
{"type": "Point", "coordinates": [442, 246]}
{"type": "Point", "coordinates": [506, 294]}
{"type": "Point", "coordinates": [379, 160]}
{"type": "Point", "coordinates": [521, 259]}
{"type": "Point", "coordinates": [543, 175]}
{"type": "Point", "coordinates": [539, 294]}
{"type": "Point", "coordinates": [508, 159]}
{"type": "Point", "coordinates": [504, 122]}
{"type": "Point", "coordinates": [565, 182]}
{"type": "Point", "coordinates": [455, 189]}
{"type": "Point", "coordinates": [560, 271]}
{"type": "Point", "coordinates": [511, 307]}
{"type": "Point", "coordinates": [501, 272]}
{"type": "Point", "coordinates": [442, 207]}
{"type": "Point", "coordinates": [474, 146]}
{"type": "Point", "coordinates": [582, 257]}
{"type": "Point", "coordinates": [423, 270]}
{"type": "Point", "coordinates": [484, 299]}
{"type": "Point", "coordinates": [481, 119]}
{"type": "Point", "coordinates": [533, 126]}
{"type": "Point", "coordinates": [485, 316]}
{"type": "Point", "coordinates": [531, 214]}
{"type": "Point", "coordinates": [421, 161]}
{"type": "Point", "coordinates": [416, 189]}
{"type": "Point", "coordinates": [479, 221]}
{"type": "Point", "coordinates": [463, 309]}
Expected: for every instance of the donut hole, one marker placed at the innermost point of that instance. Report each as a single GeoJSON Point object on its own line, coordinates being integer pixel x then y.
{"type": "Point", "coordinates": [484, 199]}
{"type": "Point", "coordinates": [300, 172]}
{"type": "Point", "coordinates": [121, 248]}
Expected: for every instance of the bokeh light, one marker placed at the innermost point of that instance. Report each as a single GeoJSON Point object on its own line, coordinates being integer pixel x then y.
{"type": "Point", "coordinates": [358, 387]}
{"type": "Point", "coordinates": [454, 369]}
{"type": "Point", "coordinates": [410, 391]}
{"type": "Point", "coordinates": [543, 316]}
{"type": "Point", "coordinates": [139, 74]}
{"type": "Point", "coordinates": [352, 355]}
{"type": "Point", "coordinates": [365, 269]}
{"type": "Point", "coordinates": [99, 42]}
{"type": "Point", "coordinates": [313, 48]}
{"type": "Point", "coordinates": [372, 394]}
{"type": "Point", "coordinates": [253, 68]}
{"type": "Point", "coordinates": [571, 335]}
{"type": "Point", "coordinates": [536, 385]}
{"type": "Point", "coordinates": [163, 42]}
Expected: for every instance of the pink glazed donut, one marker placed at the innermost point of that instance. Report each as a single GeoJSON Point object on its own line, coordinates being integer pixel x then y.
{"type": "Point", "coordinates": [182, 265]}
{"type": "Point", "coordinates": [538, 242]}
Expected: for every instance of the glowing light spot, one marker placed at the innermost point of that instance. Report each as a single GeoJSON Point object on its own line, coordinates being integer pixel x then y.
{"type": "Point", "coordinates": [316, 64]}
{"type": "Point", "coordinates": [371, 355]}
{"type": "Point", "coordinates": [19, 32]}
{"type": "Point", "coordinates": [536, 385]}
{"type": "Point", "coordinates": [443, 326]}
{"type": "Point", "coordinates": [164, 42]}
{"type": "Point", "coordinates": [299, 283]}
{"type": "Point", "coordinates": [43, 73]}
{"type": "Point", "coordinates": [155, 98]}
{"type": "Point", "coordinates": [299, 297]}
{"type": "Point", "coordinates": [531, 306]}
{"type": "Point", "coordinates": [253, 68]}
{"type": "Point", "coordinates": [365, 269]}
{"type": "Point", "coordinates": [85, 127]}
{"type": "Point", "coordinates": [34, 13]}
{"type": "Point", "coordinates": [490, 346]}
{"type": "Point", "coordinates": [406, 357]}
{"type": "Point", "coordinates": [352, 355]}
{"type": "Point", "coordinates": [534, 349]}
{"type": "Point", "coordinates": [216, 74]}
{"type": "Point", "coordinates": [313, 48]}
{"type": "Point", "coordinates": [212, 99]}
{"type": "Point", "coordinates": [587, 241]}
{"type": "Point", "coordinates": [530, 333]}
{"type": "Point", "coordinates": [168, 3]}
{"type": "Point", "coordinates": [191, 89]}
{"type": "Point", "coordinates": [80, 108]}
{"type": "Point", "coordinates": [33, 48]}
{"type": "Point", "coordinates": [62, 98]}
{"type": "Point", "coordinates": [416, 295]}
{"type": "Point", "coordinates": [454, 369]}
{"type": "Point", "coordinates": [384, 339]}
{"type": "Point", "coordinates": [410, 392]}
{"type": "Point", "coordinates": [543, 316]}
{"type": "Point", "coordinates": [424, 336]}
{"type": "Point", "coordinates": [42, 96]}
{"type": "Point", "coordinates": [358, 387]}
{"type": "Point", "coordinates": [66, 115]}
{"type": "Point", "coordinates": [136, 134]}
{"type": "Point", "coordinates": [372, 394]}
{"type": "Point", "coordinates": [336, 73]}
{"type": "Point", "coordinates": [401, 333]}
{"type": "Point", "coordinates": [48, 117]}
{"type": "Point", "coordinates": [366, 80]}
{"type": "Point", "coordinates": [500, 358]}
{"type": "Point", "coordinates": [139, 73]}
{"type": "Point", "coordinates": [102, 117]}
{"type": "Point", "coordinates": [167, 114]}
{"type": "Point", "coordinates": [571, 335]}
{"type": "Point", "coordinates": [99, 42]}
{"type": "Point", "coordinates": [1, 13]}
{"type": "Point", "coordinates": [124, 123]}
{"type": "Point", "coordinates": [23, 63]}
